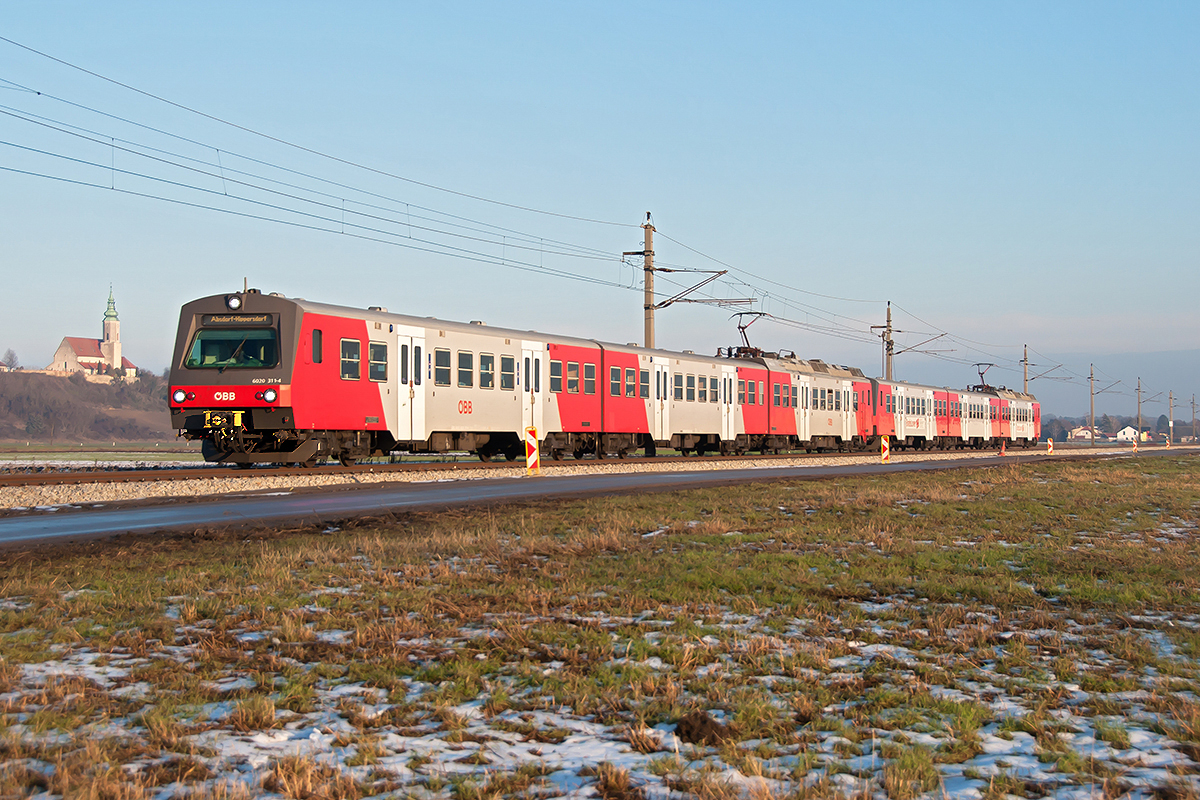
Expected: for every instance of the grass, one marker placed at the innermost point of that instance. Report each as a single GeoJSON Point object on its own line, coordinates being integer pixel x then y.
{"type": "Point", "coordinates": [827, 625]}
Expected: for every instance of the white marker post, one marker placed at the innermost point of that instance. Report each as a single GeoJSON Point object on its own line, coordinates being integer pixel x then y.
{"type": "Point", "coordinates": [885, 450]}
{"type": "Point", "coordinates": [1050, 447]}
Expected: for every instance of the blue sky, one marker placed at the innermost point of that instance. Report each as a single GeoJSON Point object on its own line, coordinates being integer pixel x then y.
{"type": "Point", "coordinates": [1008, 175]}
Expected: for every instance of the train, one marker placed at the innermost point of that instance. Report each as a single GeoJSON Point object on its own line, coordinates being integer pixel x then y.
{"type": "Point", "coordinates": [260, 378]}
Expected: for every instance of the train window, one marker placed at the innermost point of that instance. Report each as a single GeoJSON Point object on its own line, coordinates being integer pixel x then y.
{"type": "Point", "coordinates": [404, 364]}
{"type": "Point", "coordinates": [795, 396]}
{"type": "Point", "coordinates": [589, 378]}
{"type": "Point", "coordinates": [556, 376]}
{"type": "Point", "coordinates": [702, 389]}
{"type": "Point", "coordinates": [351, 356]}
{"type": "Point", "coordinates": [678, 386]}
{"type": "Point", "coordinates": [537, 375]}
{"type": "Point", "coordinates": [377, 361]}
{"type": "Point", "coordinates": [741, 392]}
{"type": "Point", "coordinates": [233, 348]}
{"type": "Point", "coordinates": [775, 395]}
{"type": "Point", "coordinates": [316, 344]}
{"type": "Point", "coordinates": [712, 390]}
{"type": "Point", "coordinates": [630, 382]}
{"type": "Point", "coordinates": [528, 378]}
{"type": "Point", "coordinates": [508, 373]}
{"type": "Point", "coordinates": [466, 369]}
{"type": "Point", "coordinates": [856, 401]}
{"type": "Point", "coordinates": [752, 393]}
{"type": "Point", "coordinates": [614, 381]}
{"type": "Point", "coordinates": [572, 377]}
{"type": "Point", "coordinates": [691, 388]}
{"type": "Point", "coordinates": [644, 384]}
{"type": "Point", "coordinates": [441, 367]}
{"type": "Point", "coordinates": [487, 371]}
{"type": "Point", "coordinates": [417, 364]}
{"type": "Point", "coordinates": [837, 401]}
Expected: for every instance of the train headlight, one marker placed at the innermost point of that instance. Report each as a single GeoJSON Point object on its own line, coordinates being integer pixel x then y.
{"type": "Point", "coordinates": [179, 395]}
{"type": "Point", "coordinates": [233, 302]}
{"type": "Point", "coordinates": [270, 395]}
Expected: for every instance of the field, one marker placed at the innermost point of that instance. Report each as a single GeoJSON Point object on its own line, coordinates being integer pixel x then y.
{"type": "Point", "coordinates": [1032, 630]}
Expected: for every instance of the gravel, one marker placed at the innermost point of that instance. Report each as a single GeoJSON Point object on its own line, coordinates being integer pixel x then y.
{"type": "Point", "coordinates": [20, 498]}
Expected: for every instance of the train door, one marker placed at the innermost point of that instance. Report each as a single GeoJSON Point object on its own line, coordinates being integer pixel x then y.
{"type": "Point", "coordinates": [660, 427]}
{"type": "Point", "coordinates": [728, 419]}
{"type": "Point", "coordinates": [532, 363]}
{"type": "Point", "coordinates": [410, 358]}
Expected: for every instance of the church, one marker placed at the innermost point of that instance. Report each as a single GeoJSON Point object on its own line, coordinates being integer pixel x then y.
{"type": "Point", "coordinates": [94, 356]}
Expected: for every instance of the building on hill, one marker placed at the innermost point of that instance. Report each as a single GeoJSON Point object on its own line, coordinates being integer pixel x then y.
{"type": "Point", "coordinates": [94, 356]}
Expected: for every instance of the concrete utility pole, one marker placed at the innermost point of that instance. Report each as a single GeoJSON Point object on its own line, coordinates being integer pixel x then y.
{"type": "Point", "coordinates": [648, 266]}
{"type": "Point", "coordinates": [889, 347]}
{"type": "Point", "coordinates": [1171, 417]}
{"type": "Point", "coordinates": [1025, 362]}
{"type": "Point", "coordinates": [1193, 419]}
{"type": "Point", "coordinates": [1139, 429]}
{"type": "Point", "coordinates": [1092, 391]}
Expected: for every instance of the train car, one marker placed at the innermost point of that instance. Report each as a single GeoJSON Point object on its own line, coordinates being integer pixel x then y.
{"type": "Point", "coordinates": [262, 378]}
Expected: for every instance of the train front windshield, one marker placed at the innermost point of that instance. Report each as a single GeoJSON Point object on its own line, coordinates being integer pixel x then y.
{"type": "Point", "coordinates": [234, 348]}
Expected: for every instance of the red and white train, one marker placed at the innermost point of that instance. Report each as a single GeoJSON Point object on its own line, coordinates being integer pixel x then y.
{"type": "Point", "coordinates": [262, 378]}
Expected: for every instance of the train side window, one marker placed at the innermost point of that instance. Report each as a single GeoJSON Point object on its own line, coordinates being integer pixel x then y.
{"type": "Point", "coordinates": [856, 401]}
{"type": "Point", "coordinates": [487, 371]}
{"type": "Point", "coordinates": [678, 385]}
{"type": "Point", "coordinates": [752, 393]}
{"type": "Point", "coordinates": [775, 401]}
{"type": "Point", "coordinates": [837, 401]}
{"type": "Point", "coordinates": [377, 361]}
{"type": "Point", "coordinates": [316, 344]}
{"type": "Point", "coordinates": [702, 389]}
{"type": "Point", "coordinates": [351, 358]}
{"type": "Point", "coordinates": [741, 392]}
{"type": "Point", "coordinates": [614, 381]}
{"type": "Point", "coordinates": [417, 364]}
{"type": "Point", "coordinates": [404, 364]}
{"type": "Point", "coordinates": [537, 375]}
{"type": "Point", "coordinates": [466, 369]}
{"type": "Point", "coordinates": [691, 388]}
{"type": "Point", "coordinates": [528, 376]}
{"type": "Point", "coordinates": [712, 390]}
{"type": "Point", "coordinates": [508, 373]}
{"type": "Point", "coordinates": [441, 367]}
{"type": "Point", "coordinates": [644, 384]}
{"type": "Point", "coordinates": [556, 376]}
{"type": "Point", "coordinates": [589, 378]}
{"type": "Point", "coordinates": [795, 396]}
{"type": "Point", "coordinates": [630, 382]}
{"type": "Point", "coordinates": [572, 377]}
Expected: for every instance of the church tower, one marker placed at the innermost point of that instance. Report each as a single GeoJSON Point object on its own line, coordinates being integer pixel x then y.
{"type": "Point", "coordinates": [110, 345]}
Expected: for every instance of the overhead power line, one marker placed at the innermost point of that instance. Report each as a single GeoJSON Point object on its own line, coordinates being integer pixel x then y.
{"type": "Point", "coordinates": [303, 148]}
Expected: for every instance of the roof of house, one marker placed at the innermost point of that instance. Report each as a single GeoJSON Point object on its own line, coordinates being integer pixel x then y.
{"type": "Point", "coordinates": [83, 347]}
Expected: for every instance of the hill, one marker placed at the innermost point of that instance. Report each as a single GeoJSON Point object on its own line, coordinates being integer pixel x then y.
{"type": "Point", "coordinates": [47, 408]}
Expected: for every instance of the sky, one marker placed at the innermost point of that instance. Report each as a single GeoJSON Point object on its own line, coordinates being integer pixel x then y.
{"type": "Point", "coordinates": [1004, 175]}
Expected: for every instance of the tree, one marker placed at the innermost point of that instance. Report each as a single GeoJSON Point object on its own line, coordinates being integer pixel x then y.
{"type": "Point", "coordinates": [10, 359]}
{"type": "Point", "coordinates": [1162, 426]}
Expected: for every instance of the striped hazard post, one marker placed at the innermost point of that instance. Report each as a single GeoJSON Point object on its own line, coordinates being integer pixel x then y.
{"type": "Point", "coordinates": [533, 455]}
{"type": "Point", "coordinates": [1135, 445]}
{"type": "Point", "coordinates": [885, 450]}
{"type": "Point", "coordinates": [1050, 447]}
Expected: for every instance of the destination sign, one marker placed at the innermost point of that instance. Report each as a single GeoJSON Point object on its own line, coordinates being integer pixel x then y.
{"type": "Point", "coordinates": [236, 319]}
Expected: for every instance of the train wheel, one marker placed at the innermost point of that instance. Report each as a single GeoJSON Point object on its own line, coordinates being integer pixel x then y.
{"type": "Point", "coordinates": [651, 449]}
{"type": "Point", "coordinates": [347, 461]}
{"type": "Point", "coordinates": [556, 455]}
{"type": "Point", "coordinates": [578, 454]}
{"type": "Point", "coordinates": [484, 457]}
{"type": "Point", "coordinates": [622, 453]}
{"type": "Point", "coordinates": [309, 464]}
{"type": "Point", "coordinates": [243, 464]}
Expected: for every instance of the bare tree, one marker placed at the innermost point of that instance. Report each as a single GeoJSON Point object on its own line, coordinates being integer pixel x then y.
{"type": "Point", "coordinates": [10, 359]}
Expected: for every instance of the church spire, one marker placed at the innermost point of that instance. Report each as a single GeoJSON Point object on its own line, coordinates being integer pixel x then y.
{"type": "Point", "coordinates": [111, 312]}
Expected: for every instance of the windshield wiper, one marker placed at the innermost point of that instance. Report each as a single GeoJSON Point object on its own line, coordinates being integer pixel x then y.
{"type": "Point", "coordinates": [233, 355]}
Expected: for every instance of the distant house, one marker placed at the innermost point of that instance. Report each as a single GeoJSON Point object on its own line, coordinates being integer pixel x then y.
{"type": "Point", "coordinates": [94, 356]}
{"type": "Point", "coordinates": [1086, 434]}
{"type": "Point", "coordinates": [1127, 434]}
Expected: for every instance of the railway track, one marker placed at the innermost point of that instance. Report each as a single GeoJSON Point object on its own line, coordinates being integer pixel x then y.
{"type": "Point", "coordinates": [93, 475]}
